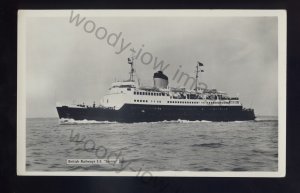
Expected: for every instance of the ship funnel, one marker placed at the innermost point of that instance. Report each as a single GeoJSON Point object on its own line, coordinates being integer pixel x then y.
{"type": "Point", "coordinates": [160, 80]}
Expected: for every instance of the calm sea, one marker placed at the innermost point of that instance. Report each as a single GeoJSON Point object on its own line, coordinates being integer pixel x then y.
{"type": "Point", "coordinates": [162, 146]}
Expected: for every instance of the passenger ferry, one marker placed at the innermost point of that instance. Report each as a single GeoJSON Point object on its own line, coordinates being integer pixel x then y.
{"type": "Point", "coordinates": [127, 101]}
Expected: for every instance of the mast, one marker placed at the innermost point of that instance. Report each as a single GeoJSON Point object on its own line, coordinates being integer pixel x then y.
{"type": "Point", "coordinates": [197, 73]}
{"type": "Point", "coordinates": [130, 61]}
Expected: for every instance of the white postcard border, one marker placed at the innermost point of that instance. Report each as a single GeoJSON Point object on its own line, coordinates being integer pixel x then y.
{"type": "Point", "coordinates": [21, 86]}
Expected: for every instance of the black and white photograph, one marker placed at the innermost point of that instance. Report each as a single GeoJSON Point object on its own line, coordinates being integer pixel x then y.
{"type": "Point", "coordinates": [151, 93]}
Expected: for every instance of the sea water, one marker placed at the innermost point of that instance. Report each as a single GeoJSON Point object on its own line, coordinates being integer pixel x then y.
{"type": "Point", "coordinates": [159, 146]}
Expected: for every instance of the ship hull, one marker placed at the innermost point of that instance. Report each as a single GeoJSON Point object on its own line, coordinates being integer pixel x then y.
{"type": "Point", "coordinates": [130, 113]}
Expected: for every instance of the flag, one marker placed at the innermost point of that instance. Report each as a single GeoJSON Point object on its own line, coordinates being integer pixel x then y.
{"type": "Point", "coordinates": [129, 61]}
{"type": "Point", "coordinates": [200, 64]}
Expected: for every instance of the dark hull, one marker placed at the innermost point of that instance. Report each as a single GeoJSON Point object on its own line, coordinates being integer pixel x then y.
{"type": "Point", "coordinates": [151, 113]}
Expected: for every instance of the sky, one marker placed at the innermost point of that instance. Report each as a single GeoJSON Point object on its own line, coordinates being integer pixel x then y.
{"type": "Point", "coordinates": [66, 63]}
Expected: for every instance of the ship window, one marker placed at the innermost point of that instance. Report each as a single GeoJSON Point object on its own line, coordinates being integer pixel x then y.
{"type": "Point", "coordinates": [128, 88]}
{"type": "Point", "coordinates": [134, 92]}
{"type": "Point", "coordinates": [163, 94]}
{"type": "Point", "coordinates": [151, 94]}
{"type": "Point", "coordinates": [134, 100]}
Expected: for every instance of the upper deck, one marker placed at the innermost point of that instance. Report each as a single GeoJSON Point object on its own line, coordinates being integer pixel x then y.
{"type": "Point", "coordinates": [128, 92]}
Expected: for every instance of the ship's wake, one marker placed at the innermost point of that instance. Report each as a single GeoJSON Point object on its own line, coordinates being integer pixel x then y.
{"type": "Point", "coordinates": [179, 121]}
{"type": "Point", "coordinates": [64, 121]}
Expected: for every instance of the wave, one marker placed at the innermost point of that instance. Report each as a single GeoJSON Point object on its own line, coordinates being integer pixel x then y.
{"type": "Point", "coordinates": [186, 121]}
{"type": "Point", "coordinates": [64, 121]}
{"type": "Point", "coordinates": [174, 121]}
{"type": "Point", "coordinates": [210, 145]}
{"type": "Point", "coordinates": [264, 120]}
